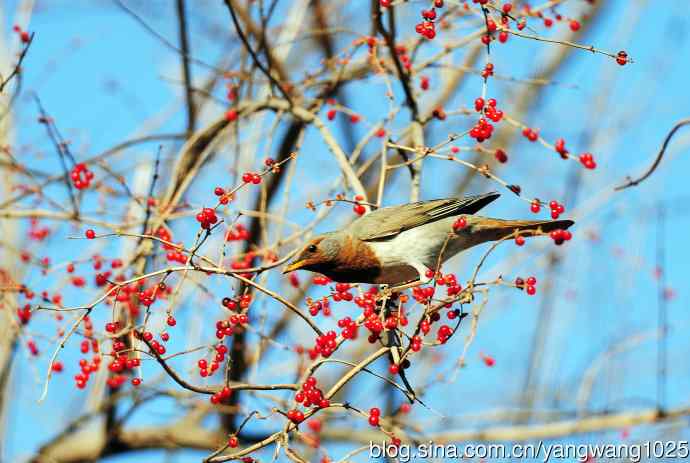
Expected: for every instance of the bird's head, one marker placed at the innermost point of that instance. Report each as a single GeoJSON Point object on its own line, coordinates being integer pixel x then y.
{"type": "Point", "coordinates": [319, 254]}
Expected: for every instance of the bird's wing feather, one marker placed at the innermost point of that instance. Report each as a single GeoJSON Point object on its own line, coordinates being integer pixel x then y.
{"type": "Point", "coordinates": [387, 222]}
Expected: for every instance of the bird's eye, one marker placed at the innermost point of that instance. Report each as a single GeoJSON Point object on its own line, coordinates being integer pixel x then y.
{"type": "Point", "coordinates": [311, 248]}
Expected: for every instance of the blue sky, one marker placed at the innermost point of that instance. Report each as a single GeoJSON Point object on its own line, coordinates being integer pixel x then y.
{"type": "Point", "coordinates": [102, 77]}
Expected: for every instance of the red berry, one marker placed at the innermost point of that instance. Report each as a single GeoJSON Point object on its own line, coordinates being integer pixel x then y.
{"type": "Point", "coordinates": [90, 234]}
{"type": "Point", "coordinates": [501, 156]}
{"type": "Point", "coordinates": [479, 104]}
{"type": "Point", "coordinates": [535, 206]}
{"type": "Point", "coordinates": [460, 223]}
{"type": "Point", "coordinates": [622, 58]}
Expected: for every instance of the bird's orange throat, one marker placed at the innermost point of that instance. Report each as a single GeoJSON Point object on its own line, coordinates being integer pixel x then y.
{"type": "Point", "coordinates": [356, 262]}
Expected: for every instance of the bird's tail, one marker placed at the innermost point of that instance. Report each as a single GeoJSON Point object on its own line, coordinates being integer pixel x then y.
{"type": "Point", "coordinates": [495, 229]}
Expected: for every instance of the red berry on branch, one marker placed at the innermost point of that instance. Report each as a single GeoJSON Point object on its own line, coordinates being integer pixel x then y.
{"type": "Point", "coordinates": [622, 58]}
{"type": "Point", "coordinates": [535, 206]}
{"type": "Point", "coordinates": [230, 115]}
{"type": "Point", "coordinates": [479, 104]}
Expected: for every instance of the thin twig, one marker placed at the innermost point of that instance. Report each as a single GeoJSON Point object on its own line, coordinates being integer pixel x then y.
{"type": "Point", "coordinates": [630, 182]}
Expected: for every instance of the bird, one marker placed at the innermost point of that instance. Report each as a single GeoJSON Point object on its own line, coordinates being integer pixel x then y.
{"type": "Point", "coordinates": [399, 245]}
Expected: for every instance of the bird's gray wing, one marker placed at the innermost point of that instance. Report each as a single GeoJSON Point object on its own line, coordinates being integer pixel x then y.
{"type": "Point", "coordinates": [387, 222]}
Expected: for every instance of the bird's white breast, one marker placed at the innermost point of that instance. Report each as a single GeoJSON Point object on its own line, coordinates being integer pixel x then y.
{"type": "Point", "coordinates": [418, 245]}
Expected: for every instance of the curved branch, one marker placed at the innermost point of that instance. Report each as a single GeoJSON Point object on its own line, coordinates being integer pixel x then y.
{"type": "Point", "coordinates": [630, 182]}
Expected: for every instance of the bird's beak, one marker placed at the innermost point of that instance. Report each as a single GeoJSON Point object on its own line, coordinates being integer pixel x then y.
{"type": "Point", "coordinates": [294, 266]}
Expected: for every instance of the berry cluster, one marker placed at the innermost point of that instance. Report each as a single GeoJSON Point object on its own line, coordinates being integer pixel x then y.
{"type": "Point", "coordinates": [118, 366]}
{"type": "Point", "coordinates": [320, 305]}
{"type": "Point", "coordinates": [427, 28]}
{"type": "Point", "coordinates": [556, 209]}
{"type": "Point", "coordinates": [221, 395]}
{"type": "Point", "coordinates": [530, 134]}
{"type": "Point", "coordinates": [560, 236]}
{"type": "Point", "coordinates": [23, 35]}
{"type": "Point", "coordinates": [223, 197]}
{"type": "Point", "coordinates": [559, 146]}
{"type": "Point", "coordinates": [147, 336]}
{"type": "Point", "coordinates": [423, 294]}
{"type": "Point", "coordinates": [205, 369]}
{"type": "Point", "coordinates": [81, 176]}
{"type": "Point", "coordinates": [530, 286]}
{"type": "Point", "coordinates": [207, 217]}
{"type": "Point", "coordinates": [240, 233]}
{"type": "Point", "coordinates": [296, 416]}
{"type": "Point", "coordinates": [251, 177]}
{"type": "Point", "coordinates": [359, 208]}
{"type": "Point", "coordinates": [24, 314]}
{"type": "Point", "coordinates": [311, 395]}
{"type": "Point", "coordinates": [231, 325]}
{"type": "Point", "coordinates": [324, 346]}
{"type": "Point", "coordinates": [342, 292]}
{"type": "Point", "coordinates": [587, 160]}
{"type": "Point", "coordinates": [444, 333]}
{"type": "Point", "coordinates": [367, 302]}
{"type": "Point", "coordinates": [321, 280]}
{"type": "Point", "coordinates": [488, 70]}
{"type": "Point", "coordinates": [482, 130]}
{"type": "Point", "coordinates": [489, 109]}
{"type": "Point", "coordinates": [349, 327]}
